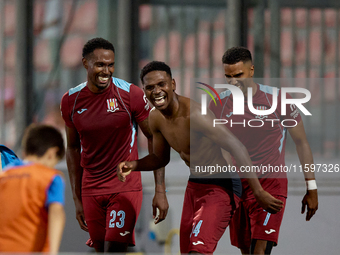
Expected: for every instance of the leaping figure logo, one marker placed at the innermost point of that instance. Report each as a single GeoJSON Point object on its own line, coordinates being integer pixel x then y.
{"type": "Point", "coordinates": [204, 97]}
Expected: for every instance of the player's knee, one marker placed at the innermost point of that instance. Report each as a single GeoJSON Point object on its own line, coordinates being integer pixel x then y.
{"type": "Point", "coordinates": [98, 245]}
{"type": "Point", "coordinates": [115, 246]}
{"type": "Point", "coordinates": [261, 247]}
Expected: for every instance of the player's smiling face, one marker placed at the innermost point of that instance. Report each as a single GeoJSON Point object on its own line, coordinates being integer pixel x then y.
{"type": "Point", "coordinates": [100, 67]}
{"type": "Point", "coordinates": [240, 75]}
{"type": "Point", "coordinates": [159, 89]}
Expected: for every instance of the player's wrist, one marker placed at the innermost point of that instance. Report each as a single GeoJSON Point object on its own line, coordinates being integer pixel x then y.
{"type": "Point", "coordinates": [258, 192]}
{"type": "Point", "coordinates": [161, 192]}
{"type": "Point", "coordinates": [160, 188]}
{"type": "Point", "coordinates": [311, 185]}
{"type": "Point", "coordinates": [134, 165]}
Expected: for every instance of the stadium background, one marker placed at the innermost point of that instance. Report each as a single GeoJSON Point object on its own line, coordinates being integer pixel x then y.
{"type": "Point", "coordinates": [40, 59]}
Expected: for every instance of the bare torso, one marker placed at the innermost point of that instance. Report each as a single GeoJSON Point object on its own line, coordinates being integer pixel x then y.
{"type": "Point", "coordinates": [182, 135]}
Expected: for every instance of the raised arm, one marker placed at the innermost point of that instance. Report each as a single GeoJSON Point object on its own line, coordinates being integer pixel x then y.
{"type": "Point", "coordinates": [160, 200]}
{"type": "Point", "coordinates": [223, 138]}
{"type": "Point", "coordinates": [75, 172]}
{"type": "Point", "coordinates": [304, 152]}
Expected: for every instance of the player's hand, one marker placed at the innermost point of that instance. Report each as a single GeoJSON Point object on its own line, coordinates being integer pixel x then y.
{"type": "Point", "coordinates": [80, 215]}
{"type": "Point", "coordinates": [124, 169]}
{"type": "Point", "coordinates": [159, 202]}
{"type": "Point", "coordinates": [268, 202]}
{"type": "Point", "coordinates": [311, 201]}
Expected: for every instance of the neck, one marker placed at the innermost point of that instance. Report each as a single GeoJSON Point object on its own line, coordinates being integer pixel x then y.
{"type": "Point", "coordinates": [94, 89]}
{"type": "Point", "coordinates": [39, 160]}
{"type": "Point", "coordinates": [34, 159]}
{"type": "Point", "coordinates": [254, 89]}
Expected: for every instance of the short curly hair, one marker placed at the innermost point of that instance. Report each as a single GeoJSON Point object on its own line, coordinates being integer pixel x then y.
{"type": "Point", "coordinates": [96, 43]}
{"type": "Point", "coordinates": [155, 66]}
{"type": "Point", "coordinates": [235, 55]}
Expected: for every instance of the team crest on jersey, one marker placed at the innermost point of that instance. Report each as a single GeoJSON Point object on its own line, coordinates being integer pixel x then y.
{"type": "Point", "coordinates": [261, 108]}
{"type": "Point", "coordinates": [112, 105]}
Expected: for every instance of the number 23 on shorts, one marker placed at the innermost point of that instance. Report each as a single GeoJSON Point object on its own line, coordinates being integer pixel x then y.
{"type": "Point", "coordinates": [120, 221]}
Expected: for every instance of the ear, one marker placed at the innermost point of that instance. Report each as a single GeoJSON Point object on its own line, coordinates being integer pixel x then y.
{"type": "Point", "coordinates": [50, 158]}
{"type": "Point", "coordinates": [173, 83]}
{"type": "Point", "coordinates": [51, 153]}
{"type": "Point", "coordinates": [85, 63]}
{"type": "Point", "coordinates": [252, 70]}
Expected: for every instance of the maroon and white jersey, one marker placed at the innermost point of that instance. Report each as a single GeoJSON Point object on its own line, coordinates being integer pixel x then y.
{"type": "Point", "coordinates": [107, 127]}
{"type": "Point", "coordinates": [265, 144]}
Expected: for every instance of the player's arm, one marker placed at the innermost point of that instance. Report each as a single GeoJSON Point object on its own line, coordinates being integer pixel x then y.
{"type": "Point", "coordinates": [55, 200]}
{"type": "Point", "coordinates": [56, 223]}
{"type": "Point", "coordinates": [75, 172]}
{"type": "Point", "coordinates": [227, 157]}
{"type": "Point", "coordinates": [304, 152]}
{"type": "Point", "coordinates": [159, 157]}
{"type": "Point", "coordinates": [160, 200]}
{"type": "Point", "coordinates": [231, 144]}
{"type": "Point", "coordinates": [159, 173]}
{"type": "Point", "coordinates": [140, 110]}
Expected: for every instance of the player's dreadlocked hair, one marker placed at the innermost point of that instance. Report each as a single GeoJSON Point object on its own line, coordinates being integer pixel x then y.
{"type": "Point", "coordinates": [235, 55]}
{"type": "Point", "coordinates": [96, 43]}
{"type": "Point", "coordinates": [155, 66]}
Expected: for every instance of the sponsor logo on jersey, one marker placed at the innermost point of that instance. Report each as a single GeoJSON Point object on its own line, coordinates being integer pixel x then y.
{"type": "Point", "coordinates": [124, 234]}
{"type": "Point", "coordinates": [198, 242]}
{"type": "Point", "coordinates": [112, 105]}
{"type": "Point", "coordinates": [81, 111]}
{"type": "Point", "coordinates": [270, 231]}
{"type": "Point", "coordinates": [261, 108]}
{"type": "Point", "coordinates": [228, 115]}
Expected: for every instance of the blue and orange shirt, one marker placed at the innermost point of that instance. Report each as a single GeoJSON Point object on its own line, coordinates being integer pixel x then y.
{"type": "Point", "coordinates": [26, 191]}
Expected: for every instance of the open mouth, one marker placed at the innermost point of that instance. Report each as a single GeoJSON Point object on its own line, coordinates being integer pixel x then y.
{"type": "Point", "coordinates": [103, 79]}
{"type": "Point", "coordinates": [159, 100]}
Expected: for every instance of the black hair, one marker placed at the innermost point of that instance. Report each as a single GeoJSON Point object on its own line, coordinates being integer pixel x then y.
{"type": "Point", "coordinates": [154, 66]}
{"type": "Point", "coordinates": [38, 138]}
{"type": "Point", "coordinates": [235, 55]}
{"type": "Point", "coordinates": [96, 43]}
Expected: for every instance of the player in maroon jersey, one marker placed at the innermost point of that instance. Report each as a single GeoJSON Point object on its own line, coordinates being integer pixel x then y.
{"type": "Point", "coordinates": [210, 200]}
{"type": "Point", "coordinates": [101, 117]}
{"type": "Point", "coordinates": [252, 229]}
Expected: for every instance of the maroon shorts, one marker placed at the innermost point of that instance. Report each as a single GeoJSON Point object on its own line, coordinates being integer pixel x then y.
{"type": "Point", "coordinates": [207, 210]}
{"type": "Point", "coordinates": [112, 217]}
{"type": "Point", "coordinates": [250, 221]}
